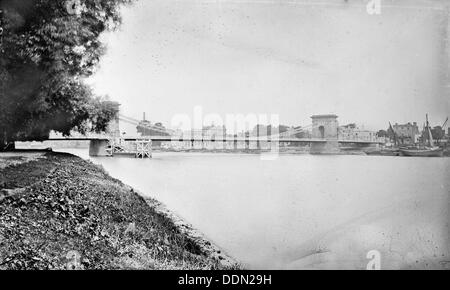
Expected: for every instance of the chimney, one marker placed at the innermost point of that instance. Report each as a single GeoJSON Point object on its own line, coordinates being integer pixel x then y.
{"type": "Point", "coordinates": [143, 117]}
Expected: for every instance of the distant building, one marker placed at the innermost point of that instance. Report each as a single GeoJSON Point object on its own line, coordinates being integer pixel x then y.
{"type": "Point", "coordinates": [269, 130]}
{"type": "Point", "coordinates": [213, 132]}
{"type": "Point", "coordinates": [260, 130]}
{"type": "Point", "coordinates": [353, 132]}
{"type": "Point", "coordinates": [146, 128]}
{"type": "Point", "coordinates": [407, 133]}
{"type": "Point", "coordinates": [206, 133]}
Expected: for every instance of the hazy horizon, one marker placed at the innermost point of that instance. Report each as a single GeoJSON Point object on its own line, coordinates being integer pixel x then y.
{"type": "Point", "coordinates": [292, 58]}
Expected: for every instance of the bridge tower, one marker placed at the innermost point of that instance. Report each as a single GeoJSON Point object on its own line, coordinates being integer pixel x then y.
{"type": "Point", "coordinates": [326, 128]}
{"type": "Point", "coordinates": [113, 129]}
{"type": "Point", "coordinates": [109, 140]}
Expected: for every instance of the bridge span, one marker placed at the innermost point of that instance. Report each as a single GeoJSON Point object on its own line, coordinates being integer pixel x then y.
{"type": "Point", "coordinates": [142, 146]}
{"type": "Point", "coordinates": [226, 139]}
{"type": "Point", "coordinates": [324, 138]}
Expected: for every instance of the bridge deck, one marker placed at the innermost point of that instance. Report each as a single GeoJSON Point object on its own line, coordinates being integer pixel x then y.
{"type": "Point", "coordinates": [197, 139]}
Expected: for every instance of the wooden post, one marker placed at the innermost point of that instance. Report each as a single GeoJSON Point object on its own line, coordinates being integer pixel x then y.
{"type": "Point", "coordinates": [144, 148]}
{"type": "Point", "coordinates": [111, 146]}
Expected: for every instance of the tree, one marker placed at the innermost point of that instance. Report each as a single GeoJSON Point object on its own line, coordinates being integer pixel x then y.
{"type": "Point", "coordinates": [438, 133]}
{"type": "Point", "coordinates": [382, 133]}
{"type": "Point", "coordinates": [47, 49]}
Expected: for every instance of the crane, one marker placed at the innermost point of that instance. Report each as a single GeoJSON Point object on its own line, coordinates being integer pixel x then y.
{"type": "Point", "coordinates": [445, 123]}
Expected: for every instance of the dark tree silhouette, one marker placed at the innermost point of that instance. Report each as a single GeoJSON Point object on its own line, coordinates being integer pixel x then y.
{"type": "Point", "coordinates": [438, 133]}
{"type": "Point", "coordinates": [47, 48]}
{"type": "Point", "coordinates": [382, 133]}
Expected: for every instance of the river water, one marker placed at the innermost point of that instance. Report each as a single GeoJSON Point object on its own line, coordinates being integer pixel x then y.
{"type": "Point", "coordinates": [304, 211]}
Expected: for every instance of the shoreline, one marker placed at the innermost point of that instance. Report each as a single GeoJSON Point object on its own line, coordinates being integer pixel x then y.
{"type": "Point", "coordinates": [191, 232]}
{"type": "Point", "coordinates": [43, 146]}
{"type": "Point", "coordinates": [57, 210]}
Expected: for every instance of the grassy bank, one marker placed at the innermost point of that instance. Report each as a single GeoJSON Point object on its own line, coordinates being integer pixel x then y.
{"type": "Point", "coordinates": [59, 211]}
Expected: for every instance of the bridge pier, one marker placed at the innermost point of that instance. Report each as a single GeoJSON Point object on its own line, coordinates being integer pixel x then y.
{"type": "Point", "coordinates": [325, 127]}
{"type": "Point", "coordinates": [327, 147]}
{"type": "Point", "coordinates": [143, 148]}
{"type": "Point", "coordinates": [97, 148]}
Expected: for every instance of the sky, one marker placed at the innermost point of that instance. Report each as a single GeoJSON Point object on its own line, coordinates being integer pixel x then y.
{"type": "Point", "coordinates": [291, 58]}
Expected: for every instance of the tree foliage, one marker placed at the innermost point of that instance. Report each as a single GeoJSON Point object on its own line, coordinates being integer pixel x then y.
{"type": "Point", "coordinates": [47, 49]}
{"type": "Point", "coordinates": [438, 133]}
{"type": "Point", "coordinates": [383, 133]}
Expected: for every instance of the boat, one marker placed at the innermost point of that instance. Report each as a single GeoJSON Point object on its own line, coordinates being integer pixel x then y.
{"type": "Point", "coordinates": [425, 150]}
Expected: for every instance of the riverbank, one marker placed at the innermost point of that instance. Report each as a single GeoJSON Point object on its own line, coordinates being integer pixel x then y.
{"type": "Point", "coordinates": [58, 210]}
{"type": "Point", "coordinates": [57, 145]}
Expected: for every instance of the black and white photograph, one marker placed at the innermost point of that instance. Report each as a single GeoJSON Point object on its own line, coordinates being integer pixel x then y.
{"type": "Point", "coordinates": [224, 136]}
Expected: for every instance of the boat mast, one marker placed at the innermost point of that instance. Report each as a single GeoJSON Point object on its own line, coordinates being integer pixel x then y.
{"type": "Point", "coordinates": [393, 132]}
{"type": "Point", "coordinates": [430, 137]}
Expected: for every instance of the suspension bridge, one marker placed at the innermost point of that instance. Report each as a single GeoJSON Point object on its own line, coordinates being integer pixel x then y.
{"type": "Point", "coordinates": [324, 138]}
